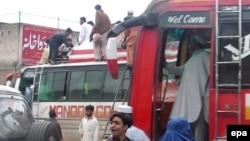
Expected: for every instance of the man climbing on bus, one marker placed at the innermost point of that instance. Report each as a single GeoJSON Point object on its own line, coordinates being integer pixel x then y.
{"type": "Point", "coordinates": [192, 97]}
{"type": "Point", "coordinates": [55, 41]}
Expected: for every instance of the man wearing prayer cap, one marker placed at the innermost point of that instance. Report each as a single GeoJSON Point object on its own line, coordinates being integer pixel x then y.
{"type": "Point", "coordinates": [129, 15]}
{"type": "Point", "coordinates": [192, 98]}
{"type": "Point", "coordinates": [133, 132]}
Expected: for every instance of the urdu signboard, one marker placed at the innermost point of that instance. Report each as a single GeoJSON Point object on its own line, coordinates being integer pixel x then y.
{"type": "Point", "coordinates": [33, 42]}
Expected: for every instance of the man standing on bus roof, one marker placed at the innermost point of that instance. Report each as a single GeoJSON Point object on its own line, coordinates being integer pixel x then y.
{"type": "Point", "coordinates": [88, 127]}
{"type": "Point", "coordinates": [192, 98]}
{"type": "Point", "coordinates": [84, 31]}
{"type": "Point", "coordinates": [133, 132]}
{"type": "Point", "coordinates": [55, 41]}
{"type": "Point", "coordinates": [99, 33]}
{"type": "Point", "coordinates": [130, 36]}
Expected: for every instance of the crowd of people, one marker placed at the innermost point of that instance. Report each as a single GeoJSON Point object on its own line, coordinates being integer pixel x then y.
{"type": "Point", "coordinates": [122, 128]}
{"type": "Point", "coordinates": [60, 44]}
{"type": "Point", "coordinates": [184, 118]}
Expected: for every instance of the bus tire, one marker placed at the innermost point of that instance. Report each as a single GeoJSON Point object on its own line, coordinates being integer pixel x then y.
{"type": "Point", "coordinates": [43, 131]}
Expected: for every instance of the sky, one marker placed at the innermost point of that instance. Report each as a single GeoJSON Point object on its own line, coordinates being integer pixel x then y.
{"type": "Point", "coordinates": [46, 12]}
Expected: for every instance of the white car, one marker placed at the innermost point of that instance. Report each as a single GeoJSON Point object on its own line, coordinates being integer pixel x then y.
{"type": "Point", "coordinates": [17, 122]}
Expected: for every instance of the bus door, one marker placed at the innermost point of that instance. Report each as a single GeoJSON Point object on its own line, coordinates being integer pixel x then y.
{"type": "Point", "coordinates": [174, 52]}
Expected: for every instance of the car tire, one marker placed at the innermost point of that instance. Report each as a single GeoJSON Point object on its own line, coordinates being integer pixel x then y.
{"type": "Point", "coordinates": [43, 131]}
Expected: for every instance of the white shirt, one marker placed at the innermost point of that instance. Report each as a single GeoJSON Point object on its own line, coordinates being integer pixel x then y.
{"type": "Point", "coordinates": [8, 83]}
{"type": "Point", "coordinates": [85, 32]}
{"type": "Point", "coordinates": [136, 134]}
{"type": "Point", "coordinates": [89, 128]}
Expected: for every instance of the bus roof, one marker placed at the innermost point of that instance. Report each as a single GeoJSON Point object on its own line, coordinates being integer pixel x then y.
{"type": "Point", "coordinates": [161, 6]}
{"type": "Point", "coordinates": [72, 64]}
{"type": "Point", "coordinates": [85, 53]}
{"type": "Point", "coordinates": [200, 2]}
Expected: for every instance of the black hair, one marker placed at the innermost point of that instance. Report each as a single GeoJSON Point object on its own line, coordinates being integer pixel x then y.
{"type": "Point", "coordinates": [126, 118]}
{"type": "Point", "coordinates": [91, 23]}
{"type": "Point", "coordinates": [117, 22]}
{"type": "Point", "coordinates": [69, 30]}
{"type": "Point", "coordinates": [89, 107]}
{"type": "Point", "coordinates": [52, 113]}
{"type": "Point", "coordinates": [83, 19]}
{"type": "Point", "coordinates": [98, 7]}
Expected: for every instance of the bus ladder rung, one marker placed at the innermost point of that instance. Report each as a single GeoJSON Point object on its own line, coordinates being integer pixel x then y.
{"type": "Point", "coordinates": [118, 100]}
{"type": "Point", "coordinates": [38, 72]}
{"type": "Point", "coordinates": [224, 111]}
{"type": "Point", "coordinates": [229, 85]}
{"type": "Point", "coordinates": [224, 138]}
{"type": "Point", "coordinates": [228, 62]}
{"type": "Point", "coordinates": [228, 37]}
{"type": "Point", "coordinates": [229, 11]}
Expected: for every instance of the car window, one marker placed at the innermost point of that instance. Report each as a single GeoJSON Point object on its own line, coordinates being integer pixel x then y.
{"type": "Point", "coordinates": [15, 118]}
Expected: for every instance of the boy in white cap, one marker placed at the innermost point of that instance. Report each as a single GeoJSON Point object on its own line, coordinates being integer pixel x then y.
{"type": "Point", "coordinates": [133, 132]}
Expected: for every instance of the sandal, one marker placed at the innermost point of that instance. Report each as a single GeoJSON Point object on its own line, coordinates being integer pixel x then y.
{"type": "Point", "coordinates": [52, 62]}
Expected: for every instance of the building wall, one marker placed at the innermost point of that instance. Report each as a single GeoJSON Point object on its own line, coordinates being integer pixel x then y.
{"type": "Point", "coordinates": [9, 44]}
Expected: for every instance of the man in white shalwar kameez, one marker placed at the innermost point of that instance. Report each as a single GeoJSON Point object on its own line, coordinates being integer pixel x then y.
{"type": "Point", "coordinates": [88, 127]}
{"type": "Point", "coordinates": [84, 32]}
{"type": "Point", "coordinates": [192, 98]}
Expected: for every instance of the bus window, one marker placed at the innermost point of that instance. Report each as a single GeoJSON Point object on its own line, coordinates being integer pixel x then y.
{"type": "Point", "coordinates": [52, 86]}
{"type": "Point", "coordinates": [229, 51]}
{"type": "Point", "coordinates": [76, 85]}
{"type": "Point", "coordinates": [59, 85]}
{"type": "Point", "coordinates": [171, 55]}
{"type": "Point", "coordinates": [111, 86]}
{"type": "Point", "coordinates": [92, 84]}
{"type": "Point", "coordinates": [45, 91]}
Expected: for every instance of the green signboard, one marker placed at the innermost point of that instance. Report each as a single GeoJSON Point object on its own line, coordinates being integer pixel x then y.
{"type": "Point", "coordinates": [185, 18]}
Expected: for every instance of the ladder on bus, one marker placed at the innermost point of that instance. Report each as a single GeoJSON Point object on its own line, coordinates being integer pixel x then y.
{"type": "Point", "coordinates": [121, 95]}
{"type": "Point", "coordinates": [236, 87]}
{"type": "Point", "coordinates": [36, 89]}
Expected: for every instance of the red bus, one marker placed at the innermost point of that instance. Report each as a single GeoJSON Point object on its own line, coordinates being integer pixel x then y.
{"type": "Point", "coordinates": [225, 27]}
